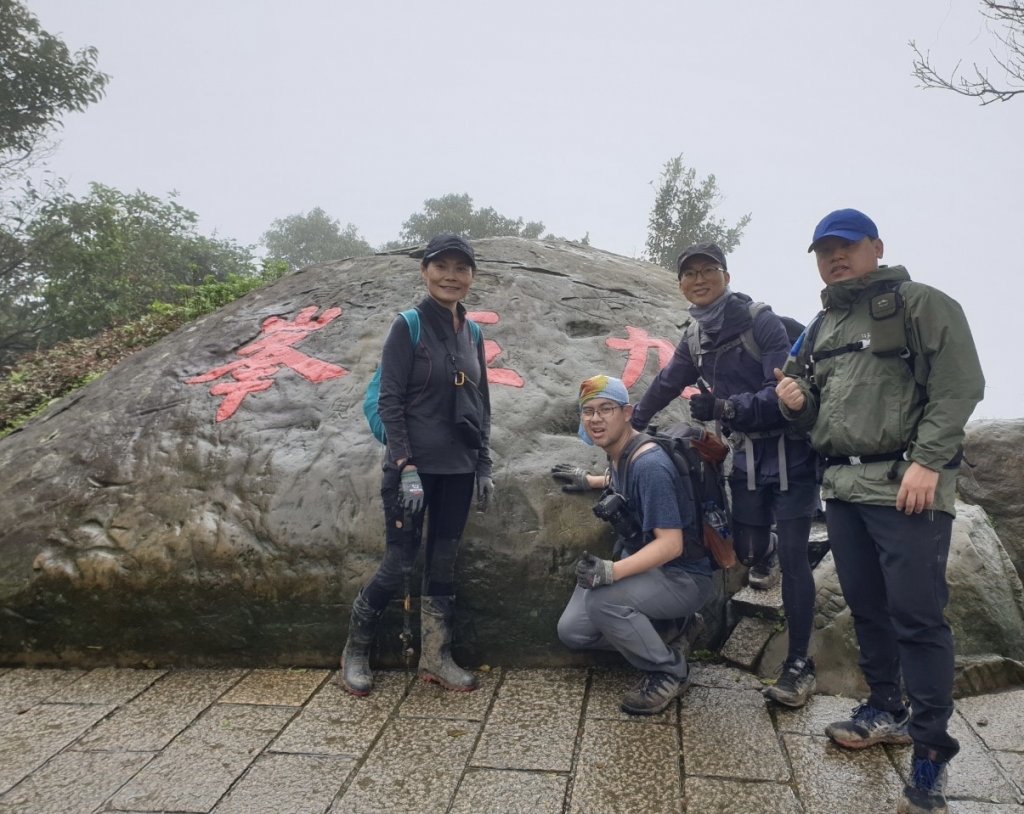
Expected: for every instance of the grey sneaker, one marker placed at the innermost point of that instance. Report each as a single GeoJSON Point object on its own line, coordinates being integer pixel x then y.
{"type": "Point", "coordinates": [925, 793]}
{"type": "Point", "coordinates": [869, 725]}
{"type": "Point", "coordinates": [795, 684]}
{"type": "Point", "coordinates": [765, 574]}
{"type": "Point", "coordinates": [653, 693]}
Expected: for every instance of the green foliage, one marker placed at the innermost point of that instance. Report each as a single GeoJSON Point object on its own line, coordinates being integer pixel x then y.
{"type": "Point", "coordinates": [40, 80]}
{"type": "Point", "coordinates": [683, 215]}
{"type": "Point", "coordinates": [42, 376]}
{"type": "Point", "coordinates": [455, 213]}
{"type": "Point", "coordinates": [301, 240]}
{"type": "Point", "coordinates": [84, 265]}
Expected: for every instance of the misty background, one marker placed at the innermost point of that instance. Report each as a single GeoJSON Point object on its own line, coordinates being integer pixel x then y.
{"type": "Point", "coordinates": [566, 113]}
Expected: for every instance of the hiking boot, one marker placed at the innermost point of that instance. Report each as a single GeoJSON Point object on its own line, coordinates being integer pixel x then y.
{"type": "Point", "coordinates": [765, 574]}
{"type": "Point", "coordinates": [653, 693]}
{"type": "Point", "coordinates": [795, 685]}
{"type": "Point", "coordinates": [870, 725]}
{"type": "Point", "coordinates": [925, 793]}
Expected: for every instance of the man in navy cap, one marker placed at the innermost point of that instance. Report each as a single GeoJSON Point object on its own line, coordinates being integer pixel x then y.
{"type": "Point", "coordinates": [884, 379]}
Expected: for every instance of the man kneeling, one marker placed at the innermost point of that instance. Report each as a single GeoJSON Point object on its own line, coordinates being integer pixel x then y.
{"type": "Point", "coordinates": [662, 573]}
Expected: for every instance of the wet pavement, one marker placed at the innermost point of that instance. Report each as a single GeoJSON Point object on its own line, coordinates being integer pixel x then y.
{"type": "Point", "coordinates": [537, 741]}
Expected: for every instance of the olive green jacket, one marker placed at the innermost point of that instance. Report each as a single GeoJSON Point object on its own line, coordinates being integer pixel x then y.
{"type": "Point", "coordinates": [862, 404]}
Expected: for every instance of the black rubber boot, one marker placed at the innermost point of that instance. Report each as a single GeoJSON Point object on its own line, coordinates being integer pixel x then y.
{"type": "Point", "coordinates": [355, 660]}
{"type": "Point", "coordinates": [436, 664]}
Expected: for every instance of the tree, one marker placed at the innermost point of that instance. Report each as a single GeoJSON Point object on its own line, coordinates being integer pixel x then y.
{"type": "Point", "coordinates": [682, 215]}
{"type": "Point", "coordinates": [83, 265]}
{"type": "Point", "coordinates": [1008, 18]}
{"type": "Point", "coordinates": [455, 213]}
{"type": "Point", "coordinates": [40, 80]}
{"type": "Point", "coordinates": [301, 240]}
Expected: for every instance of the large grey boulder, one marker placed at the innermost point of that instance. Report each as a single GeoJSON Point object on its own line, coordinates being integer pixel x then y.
{"type": "Point", "coordinates": [215, 497]}
{"type": "Point", "coordinates": [993, 477]}
{"type": "Point", "coordinates": [985, 611]}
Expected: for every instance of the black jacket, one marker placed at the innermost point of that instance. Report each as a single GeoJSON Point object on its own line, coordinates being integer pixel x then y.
{"type": "Point", "coordinates": [417, 392]}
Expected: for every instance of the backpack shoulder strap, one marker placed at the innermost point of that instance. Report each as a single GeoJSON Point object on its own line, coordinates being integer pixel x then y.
{"type": "Point", "coordinates": [412, 319]}
{"type": "Point", "coordinates": [692, 337]}
{"type": "Point", "coordinates": [475, 331]}
{"type": "Point", "coordinates": [747, 337]}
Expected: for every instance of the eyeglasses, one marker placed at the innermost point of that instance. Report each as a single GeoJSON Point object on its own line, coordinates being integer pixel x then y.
{"type": "Point", "coordinates": [605, 410]}
{"type": "Point", "coordinates": [692, 274]}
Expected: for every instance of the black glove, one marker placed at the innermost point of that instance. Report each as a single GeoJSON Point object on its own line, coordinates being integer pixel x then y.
{"type": "Point", "coordinates": [574, 478]}
{"type": "Point", "coordinates": [592, 572]}
{"type": "Point", "coordinates": [484, 492]}
{"type": "Point", "coordinates": [705, 407]}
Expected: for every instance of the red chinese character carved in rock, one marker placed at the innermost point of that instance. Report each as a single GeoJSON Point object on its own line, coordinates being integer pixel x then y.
{"type": "Point", "coordinates": [267, 355]}
{"type": "Point", "coordinates": [492, 350]}
{"type": "Point", "coordinates": [637, 344]}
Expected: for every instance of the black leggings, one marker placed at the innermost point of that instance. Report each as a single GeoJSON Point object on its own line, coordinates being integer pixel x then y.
{"type": "Point", "coordinates": [797, 582]}
{"type": "Point", "coordinates": [446, 501]}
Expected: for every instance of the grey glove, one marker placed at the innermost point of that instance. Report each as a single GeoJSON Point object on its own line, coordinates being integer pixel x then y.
{"type": "Point", "coordinates": [412, 492]}
{"type": "Point", "coordinates": [592, 572]}
{"type": "Point", "coordinates": [574, 478]}
{"type": "Point", "coordinates": [484, 492]}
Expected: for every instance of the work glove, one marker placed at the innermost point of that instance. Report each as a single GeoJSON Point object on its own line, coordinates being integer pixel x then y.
{"type": "Point", "coordinates": [592, 572]}
{"type": "Point", "coordinates": [412, 492]}
{"type": "Point", "coordinates": [484, 492]}
{"type": "Point", "coordinates": [574, 478]}
{"type": "Point", "coordinates": [705, 407]}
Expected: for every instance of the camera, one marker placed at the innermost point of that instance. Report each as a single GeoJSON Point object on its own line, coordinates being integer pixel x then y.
{"type": "Point", "coordinates": [613, 508]}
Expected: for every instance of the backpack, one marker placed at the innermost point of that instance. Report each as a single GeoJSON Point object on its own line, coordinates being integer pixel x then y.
{"type": "Point", "coordinates": [372, 394]}
{"type": "Point", "coordinates": [693, 336]}
{"type": "Point", "coordinates": [703, 482]}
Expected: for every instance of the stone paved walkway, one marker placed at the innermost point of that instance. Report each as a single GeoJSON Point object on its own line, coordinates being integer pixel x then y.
{"type": "Point", "coordinates": [532, 741]}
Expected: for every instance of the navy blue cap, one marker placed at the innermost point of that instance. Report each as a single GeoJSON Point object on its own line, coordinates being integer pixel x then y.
{"type": "Point", "coordinates": [849, 224]}
{"type": "Point", "coordinates": [706, 249]}
{"type": "Point", "coordinates": [448, 242]}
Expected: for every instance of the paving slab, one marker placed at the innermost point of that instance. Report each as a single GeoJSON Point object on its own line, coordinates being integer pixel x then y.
{"type": "Point", "coordinates": [1013, 765]}
{"type": "Point", "coordinates": [755, 602]}
{"type": "Point", "coordinates": [195, 771]}
{"type": "Point", "coordinates": [607, 686]}
{"type": "Point", "coordinates": [429, 700]}
{"type": "Point", "coordinates": [107, 685]}
{"type": "Point", "coordinates": [73, 782]}
{"type": "Point", "coordinates": [728, 733]}
{"type": "Point", "coordinates": [29, 740]}
{"type": "Point", "coordinates": [997, 718]}
{"type": "Point", "coordinates": [976, 807]}
{"type": "Point", "coordinates": [414, 767]}
{"type": "Point", "coordinates": [830, 780]}
{"type": "Point", "coordinates": [287, 784]}
{"type": "Point", "coordinates": [706, 795]}
{"type": "Point", "coordinates": [534, 721]}
{"type": "Point", "coordinates": [21, 689]}
{"type": "Point", "coordinates": [747, 641]}
{"type": "Point", "coordinates": [724, 677]}
{"type": "Point", "coordinates": [280, 688]}
{"type": "Point", "coordinates": [151, 720]}
{"type": "Point", "coordinates": [626, 769]}
{"type": "Point", "coordinates": [510, 792]}
{"type": "Point", "coordinates": [337, 723]}
{"type": "Point", "coordinates": [812, 718]}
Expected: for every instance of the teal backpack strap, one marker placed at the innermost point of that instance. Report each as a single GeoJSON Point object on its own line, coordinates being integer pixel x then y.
{"type": "Point", "coordinates": [474, 329]}
{"type": "Point", "coordinates": [412, 319]}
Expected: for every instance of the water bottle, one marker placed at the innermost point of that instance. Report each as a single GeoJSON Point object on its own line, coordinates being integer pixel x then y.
{"type": "Point", "coordinates": [716, 518]}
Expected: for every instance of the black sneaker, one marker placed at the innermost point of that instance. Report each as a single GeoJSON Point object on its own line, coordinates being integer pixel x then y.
{"type": "Point", "coordinates": [870, 725]}
{"type": "Point", "coordinates": [765, 574]}
{"type": "Point", "coordinates": [653, 693]}
{"type": "Point", "coordinates": [925, 793]}
{"type": "Point", "coordinates": [795, 685]}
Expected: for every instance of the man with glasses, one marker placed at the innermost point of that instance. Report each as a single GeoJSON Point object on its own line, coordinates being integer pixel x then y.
{"type": "Point", "coordinates": [733, 346]}
{"type": "Point", "coordinates": [885, 380]}
{"type": "Point", "coordinates": [663, 572]}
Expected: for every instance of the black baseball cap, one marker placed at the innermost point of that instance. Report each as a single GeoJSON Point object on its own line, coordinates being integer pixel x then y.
{"type": "Point", "coordinates": [707, 249]}
{"type": "Point", "coordinates": [448, 242]}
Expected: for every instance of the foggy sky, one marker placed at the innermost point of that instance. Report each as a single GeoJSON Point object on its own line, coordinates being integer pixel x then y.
{"type": "Point", "coordinates": [565, 112]}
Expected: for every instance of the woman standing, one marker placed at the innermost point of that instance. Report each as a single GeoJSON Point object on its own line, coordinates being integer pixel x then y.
{"type": "Point", "coordinates": [432, 465]}
{"type": "Point", "coordinates": [732, 352]}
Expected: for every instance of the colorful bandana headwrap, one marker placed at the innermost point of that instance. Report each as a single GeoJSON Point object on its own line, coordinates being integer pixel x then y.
{"type": "Point", "coordinates": [600, 387]}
